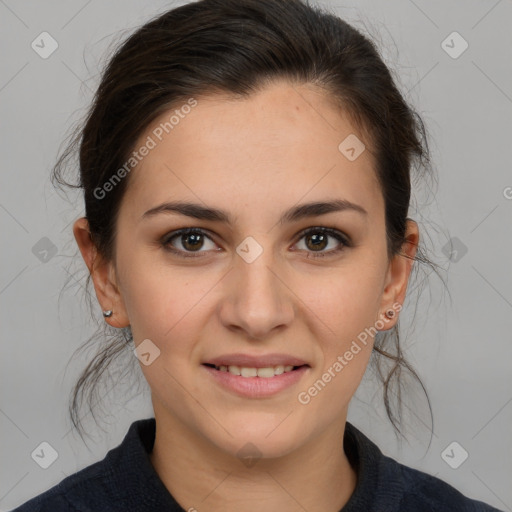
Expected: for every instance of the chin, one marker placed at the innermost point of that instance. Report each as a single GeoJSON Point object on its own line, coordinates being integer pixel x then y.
{"type": "Point", "coordinates": [248, 450]}
{"type": "Point", "coordinates": [260, 439]}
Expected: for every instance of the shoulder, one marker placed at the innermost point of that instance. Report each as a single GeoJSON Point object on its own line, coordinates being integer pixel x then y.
{"type": "Point", "coordinates": [68, 494]}
{"type": "Point", "coordinates": [387, 485]}
{"type": "Point", "coordinates": [114, 483]}
{"type": "Point", "coordinates": [424, 492]}
{"type": "Point", "coordinates": [47, 502]}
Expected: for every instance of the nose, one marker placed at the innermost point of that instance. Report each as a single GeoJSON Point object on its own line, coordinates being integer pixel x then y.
{"type": "Point", "coordinates": [256, 300]}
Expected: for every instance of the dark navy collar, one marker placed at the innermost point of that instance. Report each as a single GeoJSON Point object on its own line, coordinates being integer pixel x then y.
{"type": "Point", "coordinates": [126, 480]}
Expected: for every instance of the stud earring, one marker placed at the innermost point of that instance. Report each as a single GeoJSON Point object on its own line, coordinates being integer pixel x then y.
{"type": "Point", "coordinates": [107, 313]}
{"type": "Point", "coordinates": [390, 313]}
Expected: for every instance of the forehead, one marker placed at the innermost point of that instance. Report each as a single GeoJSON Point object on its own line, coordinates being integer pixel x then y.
{"type": "Point", "coordinates": [269, 150]}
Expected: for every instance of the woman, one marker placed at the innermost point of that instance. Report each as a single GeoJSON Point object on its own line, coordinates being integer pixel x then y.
{"type": "Point", "coordinates": [246, 176]}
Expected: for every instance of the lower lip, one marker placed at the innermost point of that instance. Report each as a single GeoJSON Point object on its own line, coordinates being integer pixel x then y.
{"type": "Point", "coordinates": [256, 387]}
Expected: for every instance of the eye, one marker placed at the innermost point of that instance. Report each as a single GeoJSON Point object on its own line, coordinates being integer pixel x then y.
{"type": "Point", "coordinates": [191, 241]}
{"type": "Point", "coordinates": [317, 239]}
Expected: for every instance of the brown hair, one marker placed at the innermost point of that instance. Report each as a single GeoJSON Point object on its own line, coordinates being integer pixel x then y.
{"type": "Point", "coordinates": [236, 47]}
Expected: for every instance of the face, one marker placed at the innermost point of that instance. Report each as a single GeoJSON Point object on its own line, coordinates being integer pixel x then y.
{"type": "Point", "coordinates": [263, 280]}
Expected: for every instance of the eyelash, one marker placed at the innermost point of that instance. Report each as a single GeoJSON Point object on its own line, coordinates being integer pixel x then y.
{"type": "Point", "coordinates": [167, 239]}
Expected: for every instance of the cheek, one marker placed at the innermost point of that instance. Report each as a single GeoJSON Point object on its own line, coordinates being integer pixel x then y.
{"type": "Point", "coordinates": [348, 344]}
{"type": "Point", "coordinates": [165, 309]}
{"type": "Point", "coordinates": [347, 300]}
{"type": "Point", "coordinates": [158, 299]}
{"type": "Point", "coordinates": [342, 313]}
{"type": "Point", "coordinates": [349, 308]}
{"type": "Point", "coordinates": [168, 308]}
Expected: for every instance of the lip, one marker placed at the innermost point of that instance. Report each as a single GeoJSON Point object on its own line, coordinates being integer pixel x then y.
{"type": "Point", "coordinates": [256, 361]}
{"type": "Point", "coordinates": [256, 387]}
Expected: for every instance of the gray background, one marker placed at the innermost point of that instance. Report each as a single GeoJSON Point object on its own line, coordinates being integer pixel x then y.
{"type": "Point", "coordinates": [461, 348]}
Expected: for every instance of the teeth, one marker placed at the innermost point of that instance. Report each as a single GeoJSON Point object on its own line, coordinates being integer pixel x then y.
{"type": "Point", "coordinates": [265, 373]}
{"type": "Point", "coordinates": [235, 370]}
{"type": "Point", "coordinates": [279, 369]}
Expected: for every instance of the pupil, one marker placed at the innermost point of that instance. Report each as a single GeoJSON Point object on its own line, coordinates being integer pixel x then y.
{"type": "Point", "coordinates": [196, 241]}
{"type": "Point", "coordinates": [318, 240]}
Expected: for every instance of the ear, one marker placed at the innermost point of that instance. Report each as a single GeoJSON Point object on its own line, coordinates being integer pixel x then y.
{"type": "Point", "coordinates": [103, 275]}
{"type": "Point", "coordinates": [398, 274]}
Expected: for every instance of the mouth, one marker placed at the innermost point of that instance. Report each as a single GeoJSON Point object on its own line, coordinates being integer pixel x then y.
{"type": "Point", "coordinates": [262, 372]}
{"type": "Point", "coordinates": [265, 380]}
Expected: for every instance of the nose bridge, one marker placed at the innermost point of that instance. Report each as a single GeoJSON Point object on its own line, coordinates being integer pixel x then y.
{"type": "Point", "coordinates": [258, 300]}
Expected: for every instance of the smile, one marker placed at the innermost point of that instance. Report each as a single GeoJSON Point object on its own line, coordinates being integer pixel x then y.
{"type": "Point", "coordinates": [265, 373]}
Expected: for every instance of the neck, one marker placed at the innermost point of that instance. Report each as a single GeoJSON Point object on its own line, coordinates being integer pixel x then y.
{"type": "Point", "coordinates": [316, 477]}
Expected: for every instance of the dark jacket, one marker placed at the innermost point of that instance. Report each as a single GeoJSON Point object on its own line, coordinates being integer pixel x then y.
{"type": "Point", "coordinates": [125, 481]}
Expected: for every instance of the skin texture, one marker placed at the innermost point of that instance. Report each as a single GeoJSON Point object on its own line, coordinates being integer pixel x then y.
{"type": "Point", "coordinates": [255, 158]}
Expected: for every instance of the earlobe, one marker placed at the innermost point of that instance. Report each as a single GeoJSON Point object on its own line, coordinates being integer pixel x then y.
{"type": "Point", "coordinates": [102, 274]}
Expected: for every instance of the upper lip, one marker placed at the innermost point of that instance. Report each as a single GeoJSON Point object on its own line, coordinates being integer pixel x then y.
{"type": "Point", "coordinates": [250, 361]}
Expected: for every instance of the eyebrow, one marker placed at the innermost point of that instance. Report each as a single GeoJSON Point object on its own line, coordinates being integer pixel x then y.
{"type": "Point", "coordinates": [294, 214]}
